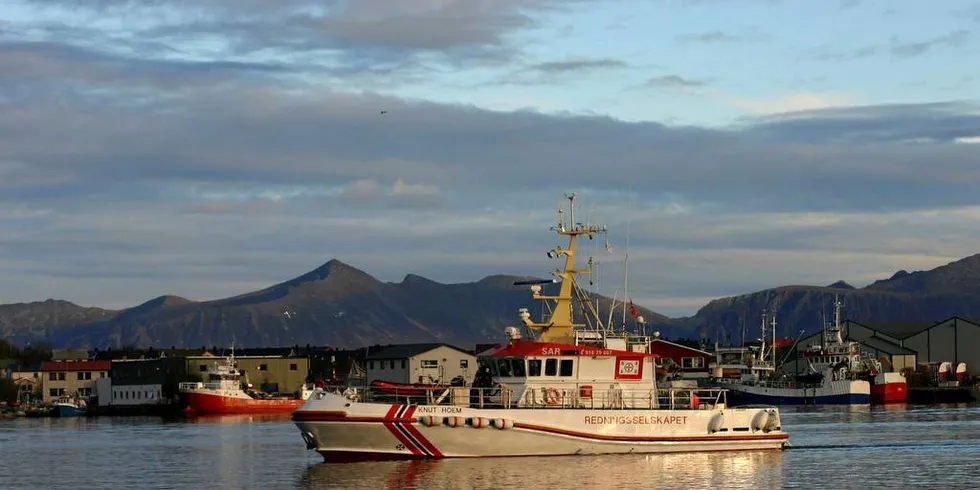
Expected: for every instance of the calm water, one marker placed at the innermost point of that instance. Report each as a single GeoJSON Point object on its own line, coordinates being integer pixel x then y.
{"type": "Point", "coordinates": [834, 447]}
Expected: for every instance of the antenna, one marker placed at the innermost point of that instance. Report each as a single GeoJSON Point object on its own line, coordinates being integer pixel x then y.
{"type": "Point", "coordinates": [626, 256]}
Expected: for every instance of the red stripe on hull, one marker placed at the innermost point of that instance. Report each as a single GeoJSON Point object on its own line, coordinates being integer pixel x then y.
{"type": "Point", "coordinates": [392, 413]}
{"type": "Point", "coordinates": [889, 393]}
{"type": "Point", "coordinates": [414, 431]}
{"type": "Point", "coordinates": [208, 403]}
{"type": "Point", "coordinates": [330, 456]}
{"type": "Point", "coordinates": [604, 437]}
{"type": "Point", "coordinates": [336, 416]}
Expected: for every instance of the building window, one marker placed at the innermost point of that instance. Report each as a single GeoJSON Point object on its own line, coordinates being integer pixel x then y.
{"type": "Point", "coordinates": [81, 375]}
{"type": "Point", "coordinates": [550, 367]}
{"type": "Point", "coordinates": [293, 367]}
{"type": "Point", "coordinates": [534, 367]}
{"type": "Point", "coordinates": [102, 374]}
{"type": "Point", "coordinates": [429, 364]}
{"type": "Point", "coordinates": [692, 362]}
{"type": "Point", "coordinates": [404, 363]}
{"type": "Point", "coordinates": [370, 364]}
{"type": "Point", "coordinates": [52, 376]}
{"type": "Point", "coordinates": [61, 376]}
{"type": "Point", "coordinates": [566, 367]}
{"type": "Point", "coordinates": [464, 363]}
{"type": "Point", "coordinates": [263, 367]}
{"type": "Point", "coordinates": [53, 392]}
{"type": "Point", "coordinates": [203, 368]}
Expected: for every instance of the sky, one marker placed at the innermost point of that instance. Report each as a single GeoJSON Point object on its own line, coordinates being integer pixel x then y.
{"type": "Point", "coordinates": [206, 149]}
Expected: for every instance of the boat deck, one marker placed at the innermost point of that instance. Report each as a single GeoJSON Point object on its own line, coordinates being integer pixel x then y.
{"type": "Point", "coordinates": [571, 397]}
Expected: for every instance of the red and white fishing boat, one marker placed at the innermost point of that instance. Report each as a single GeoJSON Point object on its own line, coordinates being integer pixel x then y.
{"type": "Point", "coordinates": [834, 354]}
{"type": "Point", "coordinates": [223, 393]}
{"type": "Point", "coordinates": [574, 389]}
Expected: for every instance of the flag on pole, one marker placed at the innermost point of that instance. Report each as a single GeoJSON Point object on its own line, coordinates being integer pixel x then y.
{"type": "Point", "coordinates": [633, 310]}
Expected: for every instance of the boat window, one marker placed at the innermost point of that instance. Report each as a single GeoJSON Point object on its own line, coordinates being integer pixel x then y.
{"type": "Point", "coordinates": [518, 365]}
{"type": "Point", "coordinates": [566, 367]}
{"type": "Point", "coordinates": [550, 367]}
{"type": "Point", "coordinates": [485, 366]}
{"type": "Point", "coordinates": [534, 367]}
{"type": "Point", "coordinates": [503, 366]}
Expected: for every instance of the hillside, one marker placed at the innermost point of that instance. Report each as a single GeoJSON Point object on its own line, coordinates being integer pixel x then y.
{"type": "Point", "coordinates": [922, 296]}
{"type": "Point", "coordinates": [335, 304]}
{"type": "Point", "coordinates": [23, 322]}
{"type": "Point", "coordinates": [339, 305]}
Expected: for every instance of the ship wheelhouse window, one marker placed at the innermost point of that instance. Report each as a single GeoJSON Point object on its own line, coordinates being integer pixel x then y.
{"type": "Point", "coordinates": [518, 367]}
{"type": "Point", "coordinates": [503, 368]}
{"type": "Point", "coordinates": [534, 367]}
{"type": "Point", "coordinates": [550, 367]}
{"type": "Point", "coordinates": [567, 367]}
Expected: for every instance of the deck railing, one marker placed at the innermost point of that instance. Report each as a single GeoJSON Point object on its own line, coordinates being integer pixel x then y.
{"type": "Point", "coordinates": [567, 397]}
{"type": "Point", "coordinates": [198, 386]}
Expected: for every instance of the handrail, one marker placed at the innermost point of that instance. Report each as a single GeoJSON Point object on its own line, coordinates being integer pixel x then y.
{"type": "Point", "coordinates": [536, 397]}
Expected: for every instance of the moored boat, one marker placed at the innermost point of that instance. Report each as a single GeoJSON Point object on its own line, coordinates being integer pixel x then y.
{"type": "Point", "coordinates": [888, 388]}
{"type": "Point", "coordinates": [566, 389]}
{"type": "Point", "coordinates": [69, 406]}
{"type": "Point", "coordinates": [834, 376]}
{"type": "Point", "coordinates": [223, 394]}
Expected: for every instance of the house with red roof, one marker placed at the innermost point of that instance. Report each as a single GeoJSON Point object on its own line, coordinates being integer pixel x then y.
{"type": "Point", "coordinates": [64, 378]}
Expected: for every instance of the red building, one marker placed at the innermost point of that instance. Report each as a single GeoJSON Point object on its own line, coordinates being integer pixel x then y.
{"type": "Point", "coordinates": [690, 362]}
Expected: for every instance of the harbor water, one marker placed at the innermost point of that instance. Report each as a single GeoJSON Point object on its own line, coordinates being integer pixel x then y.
{"type": "Point", "coordinates": [832, 447]}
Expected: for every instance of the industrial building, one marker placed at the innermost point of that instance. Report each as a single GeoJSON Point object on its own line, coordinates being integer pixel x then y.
{"type": "Point", "coordinates": [435, 363]}
{"type": "Point", "coordinates": [902, 345]}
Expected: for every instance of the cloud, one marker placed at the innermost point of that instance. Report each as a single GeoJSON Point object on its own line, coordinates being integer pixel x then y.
{"type": "Point", "coordinates": [674, 82]}
{"type": "Point", "coordinates": [367, 30]}
{"type": "Point", "coordinates": [712, 37]}
{"type": "Point", "coordinates": [575, 65]}
{"type": "Point", "coordinates": [802, 101]}
{"type": "Point", "coordinates": [911, 49]}
{"type": "Point", "coordinates": [175, 203]}
{"type": "Point", "coordinates": [554, 72]}
{"type": "Point", "coordinates": [159, 159]}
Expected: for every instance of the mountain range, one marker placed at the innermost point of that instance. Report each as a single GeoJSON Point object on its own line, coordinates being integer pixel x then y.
{"type": "Point", "coordinates": [342, 306]}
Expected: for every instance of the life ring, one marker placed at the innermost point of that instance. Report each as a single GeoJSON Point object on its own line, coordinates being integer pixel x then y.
{"type": "Point", "coordinates": [552, 396]}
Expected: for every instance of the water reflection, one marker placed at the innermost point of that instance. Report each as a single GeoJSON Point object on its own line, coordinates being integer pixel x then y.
{"type": "Point", "coordinates": [237, 418]}
{"type": "Point", "coordinates": [832, 447]}
{"type": "Point", "coordinates": [705, 470]}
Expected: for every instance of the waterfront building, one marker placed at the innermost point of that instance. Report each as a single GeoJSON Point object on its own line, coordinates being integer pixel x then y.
{"type": "Point", "coordinates": [66, 378]}
{"type": "Point", "coordinates": [429, 363]}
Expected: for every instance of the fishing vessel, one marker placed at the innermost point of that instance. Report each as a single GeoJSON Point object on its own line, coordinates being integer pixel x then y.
{"type": "Point", "coordinates": [553, 387]}
{"type": "Point", "coordinates": [831, 379]}
{"type": "Point", "coordinates": [834, 353]}
{"type": "Point", "coordinates": [223, 393]}
{"type": "Point", "coordinates": [69, 406]}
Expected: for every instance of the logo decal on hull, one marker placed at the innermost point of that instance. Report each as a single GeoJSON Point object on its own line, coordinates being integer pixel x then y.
{"type": "Point", "coordinates": [407, 434]}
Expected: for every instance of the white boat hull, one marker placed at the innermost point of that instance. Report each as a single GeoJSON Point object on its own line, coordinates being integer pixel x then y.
{"type": "Point", "coordinates": [343, 430]}
{"type": "Point", "coordinates": [836, 392]}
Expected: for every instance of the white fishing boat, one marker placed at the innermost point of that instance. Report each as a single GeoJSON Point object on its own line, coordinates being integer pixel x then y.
{"type": "Point", "coordinates": [835, 370]}
{"type": "Point", "coordinates": [558, 388]}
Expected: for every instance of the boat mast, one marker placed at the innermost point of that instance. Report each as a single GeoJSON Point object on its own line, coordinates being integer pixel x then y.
{"type": "Point", "coordinates": [837, 332]}
{"type": "Point", "coordinates": [560, 326]}
{"type": "Point", "coordinates": [626, 256]}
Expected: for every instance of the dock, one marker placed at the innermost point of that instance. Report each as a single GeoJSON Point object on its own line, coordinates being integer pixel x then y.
{"type": "Point", "coordinates": [925, 395]}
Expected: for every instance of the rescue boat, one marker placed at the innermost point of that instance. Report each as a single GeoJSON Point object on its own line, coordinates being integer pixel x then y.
{"type": "Point", "coordinates": [566, 389]}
